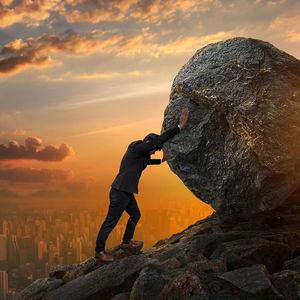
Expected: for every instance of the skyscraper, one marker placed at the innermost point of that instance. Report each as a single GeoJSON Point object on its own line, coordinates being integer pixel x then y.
{"type": "Point", "coordinates": [3, 284]}
{"type": "Point", "coordinates": [13, 250]}
{"type": "Point", "coordinates": [42, 249]}
{"type": "Point", "coordinates": [3, 247]}
{"type": "Point", "coordinates": [5, 227]}
{"type": "Point", "coordinates": [78, 248]}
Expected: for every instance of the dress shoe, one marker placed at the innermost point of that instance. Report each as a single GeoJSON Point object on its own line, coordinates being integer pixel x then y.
{"type": "Point", "coordinates": [132, 244]}
{"type": "Point", "coordinates": [104, 256]}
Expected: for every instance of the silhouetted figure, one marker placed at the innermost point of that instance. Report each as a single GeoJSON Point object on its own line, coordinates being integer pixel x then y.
{"type": "Point", "coordinates": [134, 161]}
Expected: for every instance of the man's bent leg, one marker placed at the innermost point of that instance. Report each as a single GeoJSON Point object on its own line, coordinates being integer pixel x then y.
{"type": "Point", "coordinates": [133, 210]}
{"type": "Point", "coordinates": [118, 202]}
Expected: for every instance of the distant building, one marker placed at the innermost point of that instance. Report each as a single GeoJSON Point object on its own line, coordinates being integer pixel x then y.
{"type": "Point", "coordinates": [5, 227]}
{"type": "Point", "coordinates": [42, 249]}
{"type": "Point", "coordinates": [3, 247]}
{"type": "Point", "coordinates": [78, 248]}
{"type": "Point", "coordinates": [3, 285]}
{"type": "Point", "coordinates": [13, 251]}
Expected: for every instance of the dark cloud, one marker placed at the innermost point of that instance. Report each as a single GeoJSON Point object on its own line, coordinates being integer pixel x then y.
{"type": "Point", "coordinates": [141, 29]}
{"type": "Point", "coordinates": [16, 63]}
{"type": "Point", "coordinates": [35, 51]}
{"type": "Point", "coordinates": [74, 192]}
{"type": "Point", "coordinates": [94, 11]}
{"type": "Point", "coordinates": [21, 54]}
{"type": "Point", "coordinates": [47, 187]}
{"type": "Point", "coordinates": [8, 194]}
{"type": "Point", "coordinates": [32, 13]}
{"type": "Point", "coordinates": [21, 174]}
{"type": "Point", "coordinates": [78, 188]}
{"type": "Point", "coordinates": [30, 151]}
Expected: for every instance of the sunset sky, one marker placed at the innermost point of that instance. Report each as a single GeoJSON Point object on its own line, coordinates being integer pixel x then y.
{"type": "Point", "coordinates": [81, 79]}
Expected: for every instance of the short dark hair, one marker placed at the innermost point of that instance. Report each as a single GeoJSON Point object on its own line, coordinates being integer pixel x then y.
{"type": "Point", "coordinates": [151, 137]}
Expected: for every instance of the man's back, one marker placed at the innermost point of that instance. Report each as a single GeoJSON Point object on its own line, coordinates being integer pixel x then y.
{"type": "Point", "coordinates": [130, 170]}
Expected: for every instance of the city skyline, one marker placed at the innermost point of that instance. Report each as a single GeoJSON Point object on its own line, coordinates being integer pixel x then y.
{"type": "Point", "coordinates": [33, 242]}
{"type": "Point", "coordinates": [81, 79]}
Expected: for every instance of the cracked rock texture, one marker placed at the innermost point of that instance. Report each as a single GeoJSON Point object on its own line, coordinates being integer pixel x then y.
{"type": "Point", "coordinates": [240, 149]}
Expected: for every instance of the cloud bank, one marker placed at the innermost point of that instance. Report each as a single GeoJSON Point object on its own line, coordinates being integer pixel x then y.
{"type": "Point", "coordinates": [25, 175]}
{"type": "Point", "coordinates": [30, 151]}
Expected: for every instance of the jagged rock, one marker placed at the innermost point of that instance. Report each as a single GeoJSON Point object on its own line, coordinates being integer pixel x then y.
{"type": "Point", "coordinates": [60, 271]}
{"type": "Point", "coordinates": [149, 284]}
{"type": "Point", "coordinates": [169, 264]}
{"type": "Point", "coordinates": [121, 296]}
{"type": "Point", "coordinates": [70, 272]}
{"type": "Point", "coordinates": [240, 148]}
{"type": "Point", "coordinates": [105, 281]}
{"type": "Point", "coordinates": [206, 265]}
{"type": "Point", "coordinates": [292, 264]}
{"type": "Point", "coordinates": [38, 289]}
{"type": "Point", "coordinates": [287, 282]}
{"type": "Point", "coordinates": [296, 252]}
{"type": "Point", "coordinates": [184, 286]}
{"type": "Point", "coordinates": [207, 243]}
{"type": "Point", "coordinates": [253, 280]}
{"type": "Point", "coordinates": [246, 252]}
{"type": "Point", "coordinates": [215, 288]}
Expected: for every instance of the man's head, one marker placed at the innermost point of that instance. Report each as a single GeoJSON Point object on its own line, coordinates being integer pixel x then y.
{"type": "Point", "coordinates": [150, 137]}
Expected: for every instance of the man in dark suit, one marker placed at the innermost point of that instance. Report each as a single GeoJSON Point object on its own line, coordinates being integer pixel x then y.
{"type": "Point", "coordinates": [134, 161]}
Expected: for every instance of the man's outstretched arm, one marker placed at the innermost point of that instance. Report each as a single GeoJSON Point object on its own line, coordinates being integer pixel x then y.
{"type": "Point", "coordinates": [157, 144]}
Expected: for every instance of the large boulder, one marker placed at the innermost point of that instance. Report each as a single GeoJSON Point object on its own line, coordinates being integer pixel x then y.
{"type": "Point", "coordinates": [240, 150]}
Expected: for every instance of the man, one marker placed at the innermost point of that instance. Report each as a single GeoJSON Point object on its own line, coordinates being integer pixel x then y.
{"type": "Point", "coordinates": [134, 161]}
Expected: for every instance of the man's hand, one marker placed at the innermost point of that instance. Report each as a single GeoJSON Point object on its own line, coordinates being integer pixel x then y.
{"type": "Point", "coordinates": [183, 117]}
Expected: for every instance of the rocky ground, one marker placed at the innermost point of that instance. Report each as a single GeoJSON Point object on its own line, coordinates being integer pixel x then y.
{"type": "Point", "coordinates": [216, 258]}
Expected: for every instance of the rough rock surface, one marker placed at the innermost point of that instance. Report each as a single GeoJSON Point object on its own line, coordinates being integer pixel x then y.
{"type": "Point", "coordinates": [240, 150]}
{"type": "Point", "coordinates": [252, 280]}
{"type": "Point", "coordinates": [39, 288]}
{"type": "Point", "coordinates": [254, 257]}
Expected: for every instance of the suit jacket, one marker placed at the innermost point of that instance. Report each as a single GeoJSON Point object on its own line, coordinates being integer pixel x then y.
{"type": "Point", "coordinates": [136, 159]}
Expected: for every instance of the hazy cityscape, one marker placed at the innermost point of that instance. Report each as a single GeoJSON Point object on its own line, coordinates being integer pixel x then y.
{"type": "Point", "coordinates": [34, 241]}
